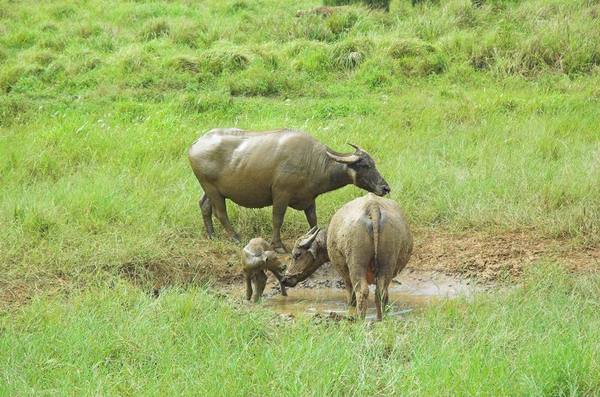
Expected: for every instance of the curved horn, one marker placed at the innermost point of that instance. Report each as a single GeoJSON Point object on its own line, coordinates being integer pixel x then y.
{"type": "Point", "coordinates": [343, 158]}
{"type": "Point", "coordinates": [358, 149]}
{"type": "Point", "coordinates": [312, 234]}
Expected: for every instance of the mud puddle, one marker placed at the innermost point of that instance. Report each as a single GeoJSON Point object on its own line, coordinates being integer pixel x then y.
{"type": "Point", "coordinates": [324, 295]}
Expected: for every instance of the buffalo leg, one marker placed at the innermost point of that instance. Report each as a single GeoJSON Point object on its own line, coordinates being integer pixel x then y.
{"type": "Point", "coordinates": [362, 296]}
{"type": "Point", "coordinates": [311, 215]}
{"type": "Point", "coordinates": [248, 286]}
{"type": "Point", "coordinates": [360, 284]}
{"type": "Point", "coordinates": [206, 210]}
{"type": "Point", "coordinates": [381, 297]}
{"type": "Point", "coordinates": [260, 281]}
{"type": "Point", "coordinates": [218, 203]}
{"type": "Point", "coordinates": [350, 295]}
{"type": "Point", "coordinates": [279, 277]}
{"type": "Point", "coordinates": [378, 304]}
{"type": "Point", "coordinates": [279, 209]}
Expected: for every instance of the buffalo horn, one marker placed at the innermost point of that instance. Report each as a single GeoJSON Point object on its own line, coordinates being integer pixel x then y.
{"type": "Point", "coordinates": [344, 158]}
{"type": "Point", "coordinates": [312, 233]}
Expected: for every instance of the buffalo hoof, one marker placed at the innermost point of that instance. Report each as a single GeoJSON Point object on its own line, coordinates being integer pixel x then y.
{"type": "Point", "coordinates": [236, 238]}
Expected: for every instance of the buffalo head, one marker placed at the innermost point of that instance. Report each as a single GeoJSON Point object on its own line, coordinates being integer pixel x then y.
{"type": "Point", "coordinates": [309, 253]}
{"type": "Point", "coordinates": [362, 170]}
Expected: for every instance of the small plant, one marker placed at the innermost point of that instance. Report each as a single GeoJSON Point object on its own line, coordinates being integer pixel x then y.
{"type": "Point", "coordinates": [186, 64]}
{"type": "Point", "coordinates": [348, 55]}
{"type": "Point", "coordinates": [13, 109]}
{"type": "Point", "coordinates": [410, 47]}
{"type": "Point", "coordinates": [155, 29]}
{"type": "Point", "coordinates": [379, 4]}
{"type": "Point", "coordinates": [258, 81]}
{"type": "Point", "coordinates": [201, 103]}
{"type": "Point", "coordinates": [219, 60]}
{"type": "Point", "coordinates": [187, 33]}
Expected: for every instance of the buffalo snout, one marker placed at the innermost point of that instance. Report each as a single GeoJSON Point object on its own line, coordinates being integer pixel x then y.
{"type": "Point", "coordinates": [383, 190]}
{"type": "Point", "coordinates": [288, 281]}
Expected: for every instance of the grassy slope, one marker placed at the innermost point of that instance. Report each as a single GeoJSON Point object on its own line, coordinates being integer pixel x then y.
{"type": "Point", "coordinates": [542, 339]}
{"type": "Point", "coordinates": [480, 118]}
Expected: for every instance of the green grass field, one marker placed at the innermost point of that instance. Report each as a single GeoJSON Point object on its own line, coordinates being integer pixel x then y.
{"type": "Point", "coordinates": [540, 340]}
{"type": "Point", "coordinates": [480, 118]}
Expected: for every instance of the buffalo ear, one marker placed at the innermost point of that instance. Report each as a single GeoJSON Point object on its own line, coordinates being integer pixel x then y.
{"type": "Point", "coordinates": [313, 251]}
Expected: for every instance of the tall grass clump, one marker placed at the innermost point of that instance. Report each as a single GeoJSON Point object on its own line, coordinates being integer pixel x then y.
{"type": "Point", "coordinates": [348, 55]}
{"type": "Point", "coordinates": [381, 4]}
{"type": "Point", "coordinates": [417, 57]}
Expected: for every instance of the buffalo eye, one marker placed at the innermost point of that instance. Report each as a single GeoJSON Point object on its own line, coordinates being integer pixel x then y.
{"type": "Point", "coordinates": [296, 255]}
{"type": "Point", "coordinates": [362, 163]}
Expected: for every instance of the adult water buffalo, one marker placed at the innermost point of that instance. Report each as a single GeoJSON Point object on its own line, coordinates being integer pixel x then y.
{"type": "Point", "coordinates": [368, 241]}
{"type": "Point", "coordinates": [282, 168]}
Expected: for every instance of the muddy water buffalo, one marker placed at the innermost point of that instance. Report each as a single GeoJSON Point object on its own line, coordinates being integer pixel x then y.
{"type": "Point", "coordinates": [282, 168]}
{"type": "Point", "coordinates": [257, 257]}
{"type": "Point", "coordinates": [368, 241]}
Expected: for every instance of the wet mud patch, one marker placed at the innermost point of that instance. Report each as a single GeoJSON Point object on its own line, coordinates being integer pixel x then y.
{"type": "Point", "coordinates": [323, 295]}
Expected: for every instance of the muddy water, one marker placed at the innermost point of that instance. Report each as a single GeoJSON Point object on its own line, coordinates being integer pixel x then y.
{"type": "Point", "coordinates": [324, 294]}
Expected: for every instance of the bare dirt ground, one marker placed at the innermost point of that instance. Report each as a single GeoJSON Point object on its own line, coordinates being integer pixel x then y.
{"type": "Point", "coordinates": [443, 266]}
{"type": "Point", "coordinates": [481, 257]}
{"type": "Point", "coordinates": [485, 257]}
{"type": "Point", "coordinates": [500, 256]}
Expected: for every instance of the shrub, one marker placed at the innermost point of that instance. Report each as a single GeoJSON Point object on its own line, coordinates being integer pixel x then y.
{"type": "Point", "coordinates": [257, 80]}
{"type": "Point", "coordinates": [132, 59]}
{"type": "Point", "coordinates": [341, 22]}
{"type": "Point", "coordinates": [550, 48]}
{"type": "Point", "coordinates": [376, 72]}
{"type": "Point", "coordinates": [423, 66]}
{"type": "Point", "coordinates": [86, 31]}
{"type": "Point", "coordinates": [269, 55]}
{"type": "Point", "coordinates": [312, 27]}
{"type": "Point", "coordinates": [9, 77]}
{"type": "Point", "coordinates": [217, 61]}
{"type": "Point", "coordinates": [380, 4]}
{"type": "Point", "coordinates": [409, 48]}
{"type": "Point", "coordinates": [155, 29]}
{"type": "Point", "coordinates": [187, 33]}
{"type": "Point", "coordinates": [314, 58]}
{"type": "Point", "coordinates": [348, 55]}
{"type": "Point", "coordinates": [417, 57]}
{"type": "Point", "coordinates": [186, 64]}
{"type": "Point", "coordinates": [14, 109]}
{"type": "Point", "coordinates": [206, 102]}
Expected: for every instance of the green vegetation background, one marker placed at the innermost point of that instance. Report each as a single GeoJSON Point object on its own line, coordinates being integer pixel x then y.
{"type": "Point", "coordinates": [480, 118]}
